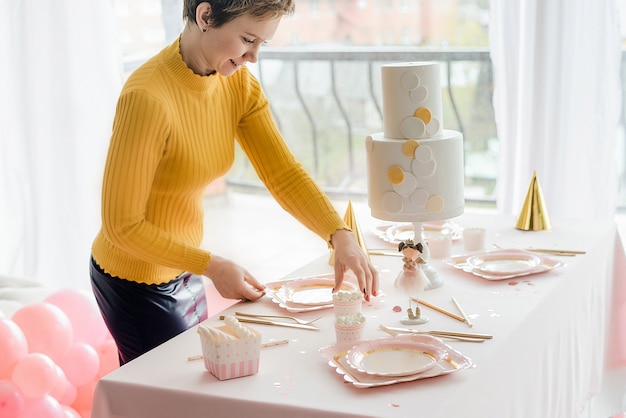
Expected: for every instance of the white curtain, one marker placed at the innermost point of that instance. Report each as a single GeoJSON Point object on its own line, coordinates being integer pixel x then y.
{"type": "Point", "coordinates": [59, 78]}
{"type": "Point", "coordinates": [557, 100]}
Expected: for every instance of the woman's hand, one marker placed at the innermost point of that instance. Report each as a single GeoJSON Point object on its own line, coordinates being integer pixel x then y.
{"type": "Point", "coordinates": [233, 281]}
{"type": "Point", "coordinates": [350, 255]}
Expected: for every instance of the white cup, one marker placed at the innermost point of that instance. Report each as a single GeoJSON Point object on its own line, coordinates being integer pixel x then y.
{"type": "Point", "coordinates": [347, 307]}
{"type": "Point", "coordinates": [352, 333]}
{"type": "Point", "coordinates": [440, 246]}
{"type": "Point", "coordinates": [347, 302]}
{"type": "Point", "coordinates": [474, 239]}
{"type": "Point", "coordinates": [349, 328]}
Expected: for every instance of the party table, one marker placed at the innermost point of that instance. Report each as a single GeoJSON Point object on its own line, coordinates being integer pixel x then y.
{"type": "Point", "coordinates": [554, 336]}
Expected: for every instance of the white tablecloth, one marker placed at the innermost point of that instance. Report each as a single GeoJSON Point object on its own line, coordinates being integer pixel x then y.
{"type": "Point", "coordinates": [555, 335]}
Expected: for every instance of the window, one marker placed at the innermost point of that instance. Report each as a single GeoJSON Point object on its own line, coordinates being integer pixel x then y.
{"type": "Point", "coordinates": [357, 23]}
{"type": "Point", "coordinates": [328, 25]}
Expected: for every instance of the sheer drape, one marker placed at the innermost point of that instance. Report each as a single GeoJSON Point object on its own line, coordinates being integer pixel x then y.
{"type": "Point", "coordinates": [59, 78]}
{"type": "Point", "coordinates": [557, 102]}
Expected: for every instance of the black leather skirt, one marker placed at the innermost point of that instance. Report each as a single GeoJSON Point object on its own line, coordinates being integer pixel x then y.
{"type": "Point", "coordinates": [140, 316]}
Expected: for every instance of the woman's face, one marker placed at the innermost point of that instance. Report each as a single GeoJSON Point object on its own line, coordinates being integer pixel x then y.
{"type": "Point", "coordinates": [236, 43]}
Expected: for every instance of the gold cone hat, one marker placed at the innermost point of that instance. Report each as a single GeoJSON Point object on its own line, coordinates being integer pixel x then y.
{"type": "Point", "coordinates": [534, 214]}
{"type": "Point", "coordinates": [350, 219]}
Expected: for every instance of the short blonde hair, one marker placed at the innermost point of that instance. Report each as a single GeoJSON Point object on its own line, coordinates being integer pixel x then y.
{"type": "Point", "coordinates": [223, 11]}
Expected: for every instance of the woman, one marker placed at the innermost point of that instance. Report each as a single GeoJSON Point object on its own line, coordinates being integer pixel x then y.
{"type": "Point", "coordinates": [174, 132]}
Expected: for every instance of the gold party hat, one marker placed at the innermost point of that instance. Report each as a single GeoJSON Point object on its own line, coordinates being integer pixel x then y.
{"type": "Point", "coordinates": [350, 219]}
{"type": "Point", "coordinates": [534, 214]}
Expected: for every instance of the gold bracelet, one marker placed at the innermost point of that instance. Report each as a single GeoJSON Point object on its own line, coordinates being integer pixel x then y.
{"type": "Point", "coordinates": [330, 241]}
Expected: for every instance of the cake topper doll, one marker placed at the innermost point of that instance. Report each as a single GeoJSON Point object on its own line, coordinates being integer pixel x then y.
{"type": "Point", "coordinates": [412, 280]}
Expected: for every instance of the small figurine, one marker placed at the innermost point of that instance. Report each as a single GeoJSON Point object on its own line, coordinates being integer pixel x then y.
{"type": "Point", "coordinates": [412, 280]}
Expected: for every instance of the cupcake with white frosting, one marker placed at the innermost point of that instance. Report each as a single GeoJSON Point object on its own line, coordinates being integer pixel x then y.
{"type": "Point", "coordinates": [347, 302]}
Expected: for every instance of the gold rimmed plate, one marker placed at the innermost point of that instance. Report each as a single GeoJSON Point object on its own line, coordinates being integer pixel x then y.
{"type": "Point", "coordinates": [393, 357]}
{"type": "Point", "coordinates": [313, 291]}
{"type": "Point", "coordinates": [503, 264]}
{"type": "Point", "coordinates": [396, 233]}
{"type": "Point", "coordinates": [306, 293]}
{"type": "Point", "coordinates": [451, 361]}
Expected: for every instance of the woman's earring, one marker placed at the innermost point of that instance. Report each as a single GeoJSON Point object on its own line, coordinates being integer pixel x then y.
{"type": "Point", "coordinates": [204, 29]}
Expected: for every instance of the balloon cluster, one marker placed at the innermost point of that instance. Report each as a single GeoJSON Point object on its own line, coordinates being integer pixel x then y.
{"type": "Point", "coordinates": [52, 354]}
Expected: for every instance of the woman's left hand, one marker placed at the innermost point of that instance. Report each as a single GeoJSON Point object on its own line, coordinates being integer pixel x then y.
{"type": "Point", "coordinates": [350, 256]}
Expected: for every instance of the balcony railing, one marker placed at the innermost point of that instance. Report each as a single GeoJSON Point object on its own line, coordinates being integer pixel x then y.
{"type": "Point", "coordinates": [326, 102]}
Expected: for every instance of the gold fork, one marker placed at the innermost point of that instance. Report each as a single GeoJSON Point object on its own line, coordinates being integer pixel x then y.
{"type": "Point", "coordinates": [395, 333]}
{"type": "Point", "coordinates": [567, 253]}
{"type": "Point", "coordinates": [293, 318]}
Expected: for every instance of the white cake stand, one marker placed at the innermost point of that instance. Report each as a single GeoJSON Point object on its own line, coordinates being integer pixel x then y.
{"type": "Point", "coordinates": [431, 272]}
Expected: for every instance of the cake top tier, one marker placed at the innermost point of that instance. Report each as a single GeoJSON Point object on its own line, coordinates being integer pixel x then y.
{"type": "Point", "coordinates": [411, 100]}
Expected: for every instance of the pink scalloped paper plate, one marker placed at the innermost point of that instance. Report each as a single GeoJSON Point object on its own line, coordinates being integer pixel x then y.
{"type": "Point", "coordinates": [306, 293]}
{"type": "Point", "coordinates": [503, 264]}
{"type": "Point", "coordinates": [451, 361]}
{"type": "Point", "coordinates": [393, 357]}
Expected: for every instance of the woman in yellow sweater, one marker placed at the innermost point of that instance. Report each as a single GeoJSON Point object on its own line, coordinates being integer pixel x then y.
{"type": "Point", "coordinates": [177, 120]}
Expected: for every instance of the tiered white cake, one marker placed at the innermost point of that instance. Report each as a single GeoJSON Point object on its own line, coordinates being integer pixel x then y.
{"type": "Point", "coordinates": [415, 167]}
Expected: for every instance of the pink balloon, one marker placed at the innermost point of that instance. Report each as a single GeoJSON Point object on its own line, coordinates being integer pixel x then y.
{"type": "Point", "coordinates": [83, 313]}
{"type": "Point", "coordinates": [109, 357]}
{"type": "Point", "coordinates": [47, 329]}
{"type": "Point", "coordinates": [13, 346]}
{"type": "Point", "coordinates": [81, 364]}
{"type": "Point", "coordinates": [70, 412]}
{"type": "Point", "coordinates": [84, 396]}
{"type": "Point", "coordinates": [44, 407]}
{"type": "Point", "coordinates": [60, 387]}
{"type": "Point", "coordinates": [34, 375]}
{"type": "Point", "coordinates": [69, 397]}
{"type": "Point", "coordinates": [11, 400]}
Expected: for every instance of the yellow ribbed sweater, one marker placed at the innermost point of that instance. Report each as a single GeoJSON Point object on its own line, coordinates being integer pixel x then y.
{"type": "Point", "coordinates": [174, 132]}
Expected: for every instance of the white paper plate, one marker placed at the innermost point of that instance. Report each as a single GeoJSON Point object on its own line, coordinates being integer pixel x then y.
{"type": "Point", "coordinates": [395, 233]}
{"type": "Point", "coordinates": [313, 291]}
{"type": "Point", "coordinates": [394, 357]}
{"type": "Point", "coordinates": [306, 293]}
{"type": "Point", "coordinates": [503, 264]}
{"type": "Point", "coordinates": [451, 361]}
